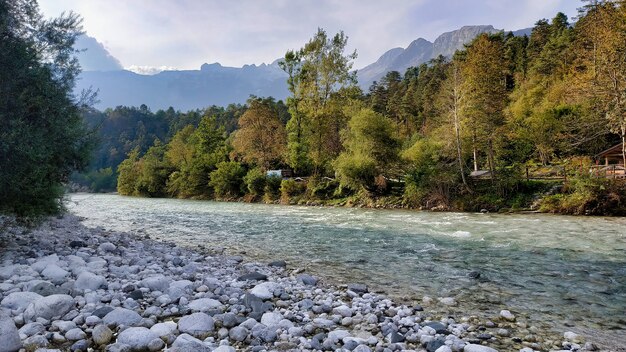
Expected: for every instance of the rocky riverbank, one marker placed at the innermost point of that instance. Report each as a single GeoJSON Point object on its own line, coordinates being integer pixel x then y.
{"type": "Point", "coordinates": [68, 287]}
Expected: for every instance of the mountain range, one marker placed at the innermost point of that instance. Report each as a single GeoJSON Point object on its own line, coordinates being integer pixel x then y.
{"type": "Point", "coordinates": [214, 84]}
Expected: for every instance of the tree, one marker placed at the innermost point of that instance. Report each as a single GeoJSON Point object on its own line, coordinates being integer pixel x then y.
{"type": "Point", "coordinates": [317, 73]}
{"type": "Point", "coordinates": [42, 137]}
{"type": "Point", "coordinates": [371, 150]}
{"type": "Point", "coordinates": [261, 136]}
{"type": "Point", "coordinates": [484, 71]}
{"type": "Point", "coordinates": [227, 179]}
{"type": "Point", "coordinates": [601, 46]}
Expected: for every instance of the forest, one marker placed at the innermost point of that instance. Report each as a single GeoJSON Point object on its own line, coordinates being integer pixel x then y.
{"type": "Point", "coordinates": [457, 133]}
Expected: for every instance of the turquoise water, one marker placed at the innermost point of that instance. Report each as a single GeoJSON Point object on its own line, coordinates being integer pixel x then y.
{"type": "Point", "coordinates": [559, 271]}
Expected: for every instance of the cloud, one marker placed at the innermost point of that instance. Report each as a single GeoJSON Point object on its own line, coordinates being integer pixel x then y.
{"type": "Point", "coordinates": [187, 33]}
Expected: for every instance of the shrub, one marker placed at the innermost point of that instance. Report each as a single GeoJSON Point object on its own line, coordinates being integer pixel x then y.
{"type": "Point", "coordinates": [227, 180]}
{"type": "Point", "coordinates": [255, 181]}
{"type": "Point", "coordinates": [272, 188]}
{"type": "Point", "coordinates": [290, 188]}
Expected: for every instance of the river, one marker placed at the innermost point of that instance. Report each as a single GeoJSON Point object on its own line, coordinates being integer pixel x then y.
{"type": "Point", "coordinates": [561, 272]}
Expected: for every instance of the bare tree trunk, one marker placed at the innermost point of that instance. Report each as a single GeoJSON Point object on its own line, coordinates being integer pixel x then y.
{"type": "Point", "coordinates": [624, 145]}
{"type": "Point", "coordinates": [475, 152]}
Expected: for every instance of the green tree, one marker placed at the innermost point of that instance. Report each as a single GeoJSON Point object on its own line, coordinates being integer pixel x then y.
{"type": "Point", "coordinates": [227, 179]}
{"type": "Point", "coordinates": [42, 137]}
{"type": "Point", "coordinates": [371, 151]}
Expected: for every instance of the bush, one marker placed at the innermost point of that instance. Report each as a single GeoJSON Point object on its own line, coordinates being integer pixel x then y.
{"type": "Point", "coordinates": [227, 180]}
{"type": "Point", "coordinates": [290, 188]}
{"type": "Point", "coordinates": [255, 181]}
{"type": "Point", "coordinates": [272, 188]}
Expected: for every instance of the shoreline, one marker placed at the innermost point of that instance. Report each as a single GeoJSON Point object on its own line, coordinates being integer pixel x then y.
{"type": "Point", "coordinates": [160, 281]}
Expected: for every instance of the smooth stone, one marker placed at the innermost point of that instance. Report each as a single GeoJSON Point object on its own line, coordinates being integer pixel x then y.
{"type": "Point", "coordinates": [224, 349]}
{"type": "Point", "coordinates": [89, 281]}
{"type": "Point", "coordinates": [271, 319]}
{"type": "Point", "coordinates": [437, 326]}
{"type": "Point", "coordinates": [278, 264]}
{"type": "Point", "coordinates": [307, 279]}
{"type": "Point", "coordinates": [55, 274]}
{"type": "Point", "coordinates": [75, 334]}
{"type": "Point", "coordinates": [358, 288]}
{"type": "Point", "coordinates": [49, 307]}
{"type": "Point", "coordinates": [448, 301]}
{"type": "Point", "coordinates": [443, 349]}
{"type": "Point", "coordinates": [507, 315]}
{"type": "Point", "coordinates": [164, 329]}
{"type": "Point", "coordinates": [138, 338]}
{"type": "Point", "coordinates": [156, 283]}
{"type": "Point", "coordinates": [265, 290]}
{"type": "Point", "coordinates": [188, 343]}
{"type": "Point", "coordinates": [238, 334]}
{"type": "Point", "coordinates": [478, 348]}
{"type": "Point", "coordinates": [199, 325]}
{"type": "Point", "coordinates": [31, 329]}
{"type": "Point", "coordinates": [101, 335]}
{"type": "Point", "coordinates": [204, 304]}
{"type": "Point", "coordinates": [252, 276]}
{"type": "Point", "coordinates": [343, 310]}
{"type": "Point", "coordinates": [19, 300]}
{"type": "Point", "coordinates": [9, 336]}
{"type": "Point", "coordinates": [107, 247]}
{"type": "Point", "coordinates": [34, 342]}
{"type": "Point", "coordinates": [122, 316]}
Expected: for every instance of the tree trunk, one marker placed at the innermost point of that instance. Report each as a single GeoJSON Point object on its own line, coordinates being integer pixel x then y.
{"type": "Point", "coordinates": [474, 152]}
{"type": "Point", "coordinates": [457, 130]}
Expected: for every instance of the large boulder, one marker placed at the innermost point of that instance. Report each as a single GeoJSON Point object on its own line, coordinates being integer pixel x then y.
{"type": "Point", "coordinates": [49, 307]}
{"type": "Point", "coordinates": [122, 316]}
{"type": "Point", "coordinates": [19, 300]}
{"type": "Point", "coordinates": [199, 325]}
{"type": "Point", "coordinates": [9, 336]}
{"type": "Point", "coordinates": [55, 274]}
{"type": "Point", "coordinates": [265, 290]}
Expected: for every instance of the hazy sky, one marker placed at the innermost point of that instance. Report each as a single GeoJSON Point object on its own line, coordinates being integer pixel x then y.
{"type": "Point", "coordinates": [186, 33]}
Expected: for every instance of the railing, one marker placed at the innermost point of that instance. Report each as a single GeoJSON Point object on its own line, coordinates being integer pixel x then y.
{"type": "Point", "coordinates": [608, 171]}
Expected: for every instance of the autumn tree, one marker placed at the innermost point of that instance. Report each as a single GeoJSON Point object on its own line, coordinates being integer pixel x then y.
{"type": "Point", "coordinates": [261, 137]}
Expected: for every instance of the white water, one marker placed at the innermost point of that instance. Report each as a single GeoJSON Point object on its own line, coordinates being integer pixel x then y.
{"type": "Point", "coordinates": [560, 271]}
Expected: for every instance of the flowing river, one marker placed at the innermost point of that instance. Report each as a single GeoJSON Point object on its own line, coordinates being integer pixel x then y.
{"type": "Point", "coordinates": [561, 272]}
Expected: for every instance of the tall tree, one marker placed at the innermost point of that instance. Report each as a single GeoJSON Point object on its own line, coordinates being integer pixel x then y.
{"type": "Point", "coordinates": [42, 137]}
{"type": "Point", "coordinates": [261, 136]}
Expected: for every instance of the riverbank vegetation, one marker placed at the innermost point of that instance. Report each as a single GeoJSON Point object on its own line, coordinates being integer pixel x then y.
{"type": "Point", "coordinates": [456, 133]}
{"type": "Point", "coordinates": [42, 136]}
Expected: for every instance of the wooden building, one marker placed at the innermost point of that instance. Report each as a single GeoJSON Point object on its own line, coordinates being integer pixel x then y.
{"type": "Point", "coordinates": [611, 156]}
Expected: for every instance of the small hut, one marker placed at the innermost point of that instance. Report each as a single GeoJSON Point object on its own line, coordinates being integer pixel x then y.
{"type": "Point", "coordinates": [611, 156]}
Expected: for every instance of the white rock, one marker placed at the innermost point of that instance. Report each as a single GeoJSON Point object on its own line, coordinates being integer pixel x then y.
{"type": "Point", "coordinates": [122, 316]}
{"type": "Point", "coordinates": [64, 326]}
{"type": "Point", "coordinates": [9, 336]}
{"type": "Point", "coordinates": [265, 290]}
{"type": "Point", "coordinates": [507, 315]}
{"type": "Point", "coordinates": [478, 348]}
{"type": "Point", "coordinates": [572, 336]}
{"type": "Point", "coordinates": [49, 307]}
{"type": "Point", "coordinates": [31, 329]}
{"type": "Point", "coordinates": [338, 335]}
{"type": "Point", "coordinates": [107, 247]}
{"type": "Point", "coordinates": [156, 283]}
{"type": "Point", "coordinates": [204, 304]}
{"type": "Point", "coordinates": [271, 319]}
{"type": "Point", "coordinates": [164, 329]}
{"type": "Point", "coordinates": [55, 274]}
{"type": "Point", "coordinates": [75, 334]}
{"type": "Point", "coordinates": [43, 262]}
{"type": "Point", "coordinates": [443, 349]}
{"type": "Point", "coordinates": [19, 300]}
{"type": "Point", "coordinates": [89, 281]}
{"type": "Point", "coordinates": [197, 324]}
{"type": "Point", "coordinates": [138, 338]}
{"type": "Point", "coordinates": [190, 343]}
{"type": "Point", "coordinates": [343, 310]}
{"type": "Point", "coordinates": [224, 349]}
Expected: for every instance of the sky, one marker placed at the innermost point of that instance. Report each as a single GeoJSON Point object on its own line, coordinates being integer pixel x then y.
{"type": "Point", "coordinates": [184, 34]}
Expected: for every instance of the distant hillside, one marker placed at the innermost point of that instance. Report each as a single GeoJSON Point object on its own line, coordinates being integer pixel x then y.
{"type": "Point", "coordinates": [421, 51]}
{"type": "Point", "coordinates": [185, 90]}
{"type": "Point", "coordinates": [214, 84]}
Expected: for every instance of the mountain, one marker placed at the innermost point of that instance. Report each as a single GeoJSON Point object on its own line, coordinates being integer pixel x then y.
{"type": "Point", "coordinates": [93, 56]}
{"type": "Point", "coordinates": [186, 90]}
{"type": "Point", "coordinates": [214, 84]}
{"type": "Point", "coordinates": [421, 51]}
